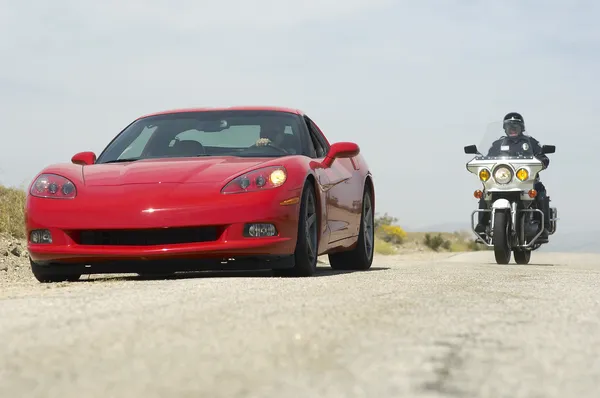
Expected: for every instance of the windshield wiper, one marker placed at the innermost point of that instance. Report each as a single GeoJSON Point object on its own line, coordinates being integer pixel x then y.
{"type": "Point", "coordinates": [122, 160]}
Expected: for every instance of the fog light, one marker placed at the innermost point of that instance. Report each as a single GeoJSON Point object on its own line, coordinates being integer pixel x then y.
{"type": "Point", "coordinates": [40, 236]}
{"type": "Point", "coordinates": [260, 230]}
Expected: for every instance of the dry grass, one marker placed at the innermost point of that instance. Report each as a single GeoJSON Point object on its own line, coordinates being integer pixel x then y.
{"type": "Point", "coordinates": [459, 241]}
{"type": "Point", "coordinates": [12, 212]}
{"type": "Point", "coordinates": [384, 248]}
{"type": "Point", "coordinates": [462, 241]}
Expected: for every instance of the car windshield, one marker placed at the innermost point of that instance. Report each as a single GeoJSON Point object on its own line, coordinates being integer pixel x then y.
{"type": "Point", "coordinates": [208, 133]}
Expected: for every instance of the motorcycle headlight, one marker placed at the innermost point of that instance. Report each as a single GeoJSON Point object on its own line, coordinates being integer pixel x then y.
{"type": "Point", "coordinates": [502, 175]}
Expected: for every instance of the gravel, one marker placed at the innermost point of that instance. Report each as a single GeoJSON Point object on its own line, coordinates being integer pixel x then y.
{"type": "Point", "coordinates": [419, 325]}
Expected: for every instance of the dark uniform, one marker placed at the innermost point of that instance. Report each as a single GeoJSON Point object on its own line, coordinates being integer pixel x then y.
{"type": "Point", "coordinates": [515, 143]}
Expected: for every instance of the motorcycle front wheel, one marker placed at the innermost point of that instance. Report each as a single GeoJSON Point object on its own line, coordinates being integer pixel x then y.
{"type": "Point", "coordinates": [502, 250]}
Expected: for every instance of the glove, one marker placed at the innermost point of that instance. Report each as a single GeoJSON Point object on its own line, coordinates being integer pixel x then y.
{"type": "Point", "coordinates": [263, 142]}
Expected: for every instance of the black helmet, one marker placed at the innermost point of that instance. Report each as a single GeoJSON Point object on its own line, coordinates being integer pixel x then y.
{"type": "Point", "coordinates": [514, 124]}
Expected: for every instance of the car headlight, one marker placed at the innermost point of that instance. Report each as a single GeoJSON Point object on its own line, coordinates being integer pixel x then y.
{"type": "Point", "coordinates": [502, 175]}
{"type": "Point", "coordinates": [484, 175]}
{"type": "Point", "coordinates": [257, 180]}
{"type": "Point", "coordinates": [522, 174]}
{"type": "Point", "coordinates": [53, 186]}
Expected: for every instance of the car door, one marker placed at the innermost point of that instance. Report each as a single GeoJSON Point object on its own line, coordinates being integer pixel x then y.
{"type": "Point", "coordinates": [342, 189]}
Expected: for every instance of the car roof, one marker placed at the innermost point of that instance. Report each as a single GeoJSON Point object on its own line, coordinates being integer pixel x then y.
{"type": "Point", "coordinates": [231, 108]}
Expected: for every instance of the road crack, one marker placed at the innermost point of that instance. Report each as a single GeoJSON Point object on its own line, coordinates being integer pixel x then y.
{"type": "Point", "coordinates": [446, 366]}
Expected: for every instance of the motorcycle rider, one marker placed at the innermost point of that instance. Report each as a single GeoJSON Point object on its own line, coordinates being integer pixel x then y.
{"type": "Point", "coordinates": [513, 144]}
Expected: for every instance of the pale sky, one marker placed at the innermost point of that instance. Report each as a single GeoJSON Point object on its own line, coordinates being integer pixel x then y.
{"type": "Point", "coordinates": [411, 82]}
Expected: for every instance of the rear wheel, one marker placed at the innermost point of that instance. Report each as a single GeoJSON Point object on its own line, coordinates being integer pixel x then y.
{"type": "Point", "coordinates": [361, 257]}
{"type": "Point", "coordinates": [52, 273]}
{"type": "Point", "coordinates": [501, 235]}
{"type": "Point", "coordinates": [305, 255]}
{"type": "Point", "coordinates": [522, 256]}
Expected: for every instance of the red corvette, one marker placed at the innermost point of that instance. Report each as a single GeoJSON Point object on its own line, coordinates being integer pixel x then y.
{"type": "Point", "coordinates": [204, 189]}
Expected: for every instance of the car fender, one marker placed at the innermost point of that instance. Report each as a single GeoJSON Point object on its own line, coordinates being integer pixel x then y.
{"type": "Point", "coordinates": [72, 172]}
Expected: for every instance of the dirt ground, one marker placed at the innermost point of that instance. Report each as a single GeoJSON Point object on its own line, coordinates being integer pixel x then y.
{"type": "Point", "coordinates": [420, 324]}
{"type": "Point", "coordinates": [14, 259]}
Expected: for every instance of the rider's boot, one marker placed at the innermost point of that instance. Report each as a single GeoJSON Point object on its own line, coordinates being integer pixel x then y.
{"type": "Point", "coordinates": [483, 219]}
{"type": "Point", "coordinates": [480, 229]}
{"type": "Point", "coordinates": [546, 232]}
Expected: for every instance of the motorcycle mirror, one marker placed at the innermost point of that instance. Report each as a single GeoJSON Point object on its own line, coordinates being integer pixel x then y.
{"type": "Point", "coordinates": [471, 150]}
{"type": "Point", "coordinates": [548, 149]}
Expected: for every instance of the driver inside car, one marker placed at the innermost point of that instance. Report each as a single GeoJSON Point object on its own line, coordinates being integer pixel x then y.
{"type": "Point", "coordinates": [273, 133]}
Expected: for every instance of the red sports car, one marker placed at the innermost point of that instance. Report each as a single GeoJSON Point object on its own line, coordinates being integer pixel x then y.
{"type": "Point", "coordinates": [204, 189]}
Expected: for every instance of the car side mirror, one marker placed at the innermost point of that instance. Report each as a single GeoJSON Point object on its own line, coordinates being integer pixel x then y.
{"type": "Point", "coordinates": [548, 149]}
{"type": "Point", "coordinates": [471, 150]}
{"type": "Point", "coordinates": [84, 158]}
{"type": "Point", "coordinates": [341, 150]}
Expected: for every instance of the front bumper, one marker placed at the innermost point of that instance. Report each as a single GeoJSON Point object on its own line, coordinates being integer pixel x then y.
{"type": "Point", "coordinates": [165, 207]}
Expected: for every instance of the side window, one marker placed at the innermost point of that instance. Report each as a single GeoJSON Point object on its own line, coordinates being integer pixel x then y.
{"type": "Point", "coordinates": [319, 137]}
{"type": "Point", "coordinates": [311, 143]}
{"type": "Point", "coordinates": [136, 148]}
{"type": "Point", "coordinates": [318, 147]}
{"type": "Point", "coordinates": [318, 144]}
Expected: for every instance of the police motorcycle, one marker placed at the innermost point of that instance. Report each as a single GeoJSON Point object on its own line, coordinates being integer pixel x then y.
{"type": "Point", "coordinates": [508, 188]}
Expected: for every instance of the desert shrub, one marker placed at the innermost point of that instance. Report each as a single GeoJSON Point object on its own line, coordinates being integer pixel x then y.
{"type": "Point", "coordinates": [384, 220]}
{"type": "Point", "coordinates": [437, 241]}
{"type": "Point", "coordinates": [475, 247]}
{"type": "Point", "coordinates": [447, 244]}
{"type": "Point", "coordinates": [12, 212]}
{"type": "Point", "coordinates": [386, 231]}
{"type": "Point", "coordinates": [392, 234]}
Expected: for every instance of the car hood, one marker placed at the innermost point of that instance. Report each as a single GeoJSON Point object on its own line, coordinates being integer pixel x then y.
{"type": "Point", "coordinates": [182, 170]}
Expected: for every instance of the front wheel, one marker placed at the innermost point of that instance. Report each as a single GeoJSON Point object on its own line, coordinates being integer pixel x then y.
{"type": "Point", "coordinates": [501, 236]}
{"type": "Point", "coordinates": [361, 257]}
{"type": "Point", "coordinates": [307, 245]}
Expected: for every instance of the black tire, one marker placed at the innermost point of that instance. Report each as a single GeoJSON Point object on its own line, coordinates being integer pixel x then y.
{"type": "Point", "coordinates": [522, 256]}
{"type": "Point", "coordinates": [502, 250]}
{"type": "Point", "coordinates": [306, 253]}
{"type": "Point", "coordinates": [50, 274]}
{"type": "Point", "coordinates": [361, 257]}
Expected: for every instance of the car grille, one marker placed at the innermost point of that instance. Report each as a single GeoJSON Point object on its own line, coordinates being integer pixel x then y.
{"type": "Point", "coordinates": [147, 237]}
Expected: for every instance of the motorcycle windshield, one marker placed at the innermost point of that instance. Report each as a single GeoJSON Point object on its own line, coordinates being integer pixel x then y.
{"type": "Point", "coordinates": [504, 148]}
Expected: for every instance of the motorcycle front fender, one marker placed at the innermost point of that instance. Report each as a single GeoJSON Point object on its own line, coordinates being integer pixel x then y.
{"type": "Point", "coordinates": [501, 204]}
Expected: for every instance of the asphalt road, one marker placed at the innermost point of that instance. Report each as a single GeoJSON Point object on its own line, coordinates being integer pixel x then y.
{"type": "Point", "coordinates": [458, 326]}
